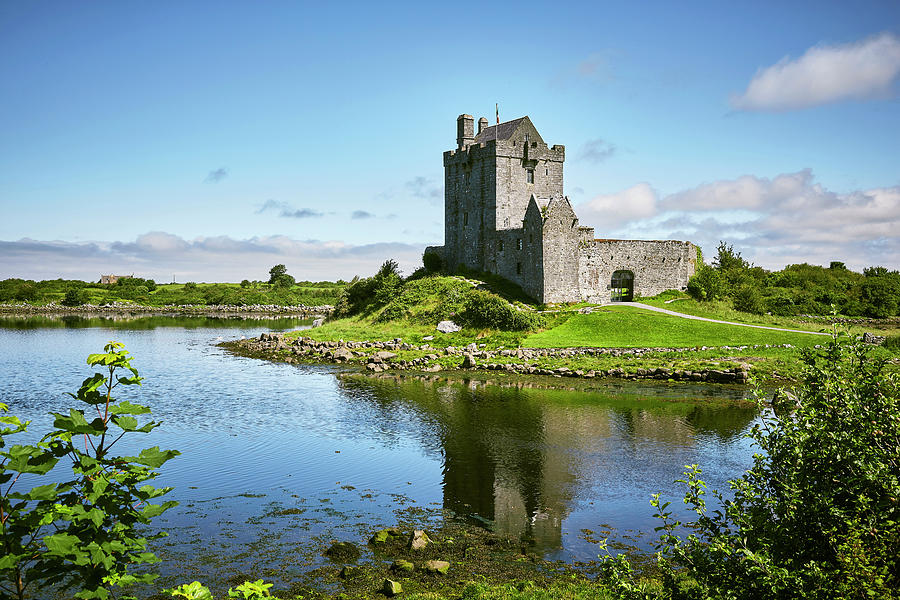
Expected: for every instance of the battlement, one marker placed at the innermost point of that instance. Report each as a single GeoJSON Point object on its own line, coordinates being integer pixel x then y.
{"type": "Point", "coordinates": [470, 153]}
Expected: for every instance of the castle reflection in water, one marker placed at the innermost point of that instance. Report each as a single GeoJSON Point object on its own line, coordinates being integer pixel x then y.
{"type": "Point", "coordinates": [520, 458]}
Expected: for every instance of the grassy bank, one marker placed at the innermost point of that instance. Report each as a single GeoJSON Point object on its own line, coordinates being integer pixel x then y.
{"type": "Point", "coordinates": [412, 311]}
{"type": "Point", "coordinates": [629, 327]}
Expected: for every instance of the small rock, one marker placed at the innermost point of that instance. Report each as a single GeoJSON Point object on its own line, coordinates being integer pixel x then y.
{"type": "Point", "coordinates": [318, 322]}
{"type": "Point", "coordinates": [391, 588]}
{"type": "Point", "coordinates": [428, 338]}
{"type": "Point", "coordinates": [350, 572]}
{"type": "Point", "coordinates": [385, 355]}
{"type": "Point", "coordinates": [448, 327]}
{"type": "Point", "coordinates": [403, 566]}
{"type": "Point", "coordinates": [343, 551]}
{"type": "Point", "coordinates": [385, 535]}
{"type": "Point", "coordinates": [440, 567]}
{"type": "Point", "coordinates": [418, 540]}
{"type": "Point", "coordinates": [468, 361]}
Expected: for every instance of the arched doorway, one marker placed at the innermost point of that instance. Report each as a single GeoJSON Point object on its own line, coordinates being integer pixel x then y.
{"type": "Point", "coordinates": [622, 286]}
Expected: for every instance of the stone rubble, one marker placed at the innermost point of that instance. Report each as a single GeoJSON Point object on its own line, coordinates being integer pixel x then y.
{"type": "Point", "coordinates": [476, 357]}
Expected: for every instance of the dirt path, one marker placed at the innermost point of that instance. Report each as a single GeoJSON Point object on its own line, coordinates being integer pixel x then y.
{"type": "Point", "coordinates": [685, 316]}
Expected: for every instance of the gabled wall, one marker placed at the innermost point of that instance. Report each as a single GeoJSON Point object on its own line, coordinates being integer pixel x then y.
{"type": "Point", "coordinates": [560, 242]}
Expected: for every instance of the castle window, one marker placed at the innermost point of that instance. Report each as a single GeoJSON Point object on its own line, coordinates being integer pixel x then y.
{"type": "Point", "coordinates": [518, 268]}
{"type": "Point", "coordinates": [500, 245]}
{"type": "Point", "coordinates": [465, 218]}
{"type": "Point", "coordinates": [529, 175]}
{"type": "Point", "coordinates": [546, 171]}
{"type": "Point", "coordinates": [519, 243]}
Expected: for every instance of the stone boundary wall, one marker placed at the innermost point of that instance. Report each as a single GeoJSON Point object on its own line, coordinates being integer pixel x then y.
{"type": "Point", "coordinates": [191, 309]}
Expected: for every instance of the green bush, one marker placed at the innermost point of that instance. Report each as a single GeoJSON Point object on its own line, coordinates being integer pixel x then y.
{"type": "Point", "coordinates": [817, 515]}
{"type": "Point", "coordinates": [75, 297]}
{"type": "Point", "coordinates": [432, 261]}
{"type": "Point", "coordinates": [484, 309]}
{"type": "Point", "coordinates": [747, 298]}
{"type": "Point", "coordinates": [705, 284]}
{"type": "Point", "coordinates": [892, 343]}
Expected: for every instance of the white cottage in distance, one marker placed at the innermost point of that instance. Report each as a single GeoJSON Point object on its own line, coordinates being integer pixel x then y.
{"type": "Point", "coordinates": [505, 213]}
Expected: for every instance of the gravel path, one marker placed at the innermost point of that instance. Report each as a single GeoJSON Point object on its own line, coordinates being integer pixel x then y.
{"type": "Point", "coordinates": [684, 316]}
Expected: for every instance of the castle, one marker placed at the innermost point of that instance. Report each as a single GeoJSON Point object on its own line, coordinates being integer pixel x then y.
{"type": "Point", "coordinates": [505, 213]}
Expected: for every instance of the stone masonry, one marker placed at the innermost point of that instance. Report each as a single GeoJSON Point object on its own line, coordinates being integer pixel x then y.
{"type": "Point", "coordinates": [505, 213]}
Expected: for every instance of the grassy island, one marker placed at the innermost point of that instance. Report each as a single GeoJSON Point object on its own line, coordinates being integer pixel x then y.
{"type": "Point", "coordinates": [385, 322]}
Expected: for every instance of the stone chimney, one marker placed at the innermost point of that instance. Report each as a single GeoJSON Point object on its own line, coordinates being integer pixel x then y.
{"type": "Point", "coordinates": [465, 130]}
{"type": "Point", "coordinates": [482, 124]}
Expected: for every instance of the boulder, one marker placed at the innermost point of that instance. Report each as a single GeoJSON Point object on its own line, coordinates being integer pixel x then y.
{"type": "Point", "coordinates": [448, 327]}
{"type": "Point", "coordinates": [403, 566]}
{"type": "Point", "coordinates": [385, 355]}
{"type": "Point", "coordinates": [318, 322]}
{"type": "Point", "coordinates": [418, 540]}
{"type": "Point", "coordinates": [391, 588]}
{"type": "Point", "coordinates": [343, 551]}
{"type": "Point", "coordinates": [342, 355]}
{"type": "Point", "coordinates": [384, 535]}
{"type": "Point", "coordinates": [468, 361]}
{"type": "Point", "coordinates": [436, 567]}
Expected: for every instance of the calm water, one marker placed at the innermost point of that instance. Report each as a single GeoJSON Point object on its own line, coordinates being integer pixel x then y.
{"type": "Point", "coordinates": [279, 460]}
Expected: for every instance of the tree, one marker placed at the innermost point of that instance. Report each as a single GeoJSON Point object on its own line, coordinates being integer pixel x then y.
{"type": "Point", "coordinates": [284, 281]}
{"type": "Point", "coordinates": [276, 272]}
{"type": "Point", "coordinates": [75, 297]}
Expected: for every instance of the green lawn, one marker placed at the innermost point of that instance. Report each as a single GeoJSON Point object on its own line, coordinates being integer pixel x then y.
{"type": "Point", "coordinates": [627, 327]}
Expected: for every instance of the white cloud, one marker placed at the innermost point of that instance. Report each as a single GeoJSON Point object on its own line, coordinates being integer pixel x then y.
{"type": "Point", "coordinates": [862, 70]}
{"type": "Point", "coordinates": [608, 211]}
{"type": "Point", "coordinates": [787, 219]}
{"type": "Point", "coordinates": [596, 151]}
{"type": "Point", "coordinates": [159, 255]}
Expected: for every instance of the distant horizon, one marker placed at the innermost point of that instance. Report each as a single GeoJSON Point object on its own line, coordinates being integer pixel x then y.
{"type": "Point", "coordinates": [213, 140]}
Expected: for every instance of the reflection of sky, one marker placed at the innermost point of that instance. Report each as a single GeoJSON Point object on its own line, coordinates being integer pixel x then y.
{"type": "Point", "coordinates": [541, 463]}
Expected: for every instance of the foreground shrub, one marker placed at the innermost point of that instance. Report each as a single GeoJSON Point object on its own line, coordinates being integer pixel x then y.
{"type": "Point", "coordinates": [84, 533]}
{"type": "Point", "coordinates": [818, 513]}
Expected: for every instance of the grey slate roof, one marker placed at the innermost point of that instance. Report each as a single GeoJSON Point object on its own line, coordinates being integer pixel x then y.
{"type": "Point", "coordinates": [503, 131]}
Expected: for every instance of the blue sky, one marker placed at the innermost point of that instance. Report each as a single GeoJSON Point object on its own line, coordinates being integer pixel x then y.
{"type": "Point", "coordinates": [211, 140]}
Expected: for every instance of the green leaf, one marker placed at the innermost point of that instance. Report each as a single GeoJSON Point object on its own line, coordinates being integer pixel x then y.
{"type": "Point", "coordinates": [153, 457]}
{"type": "Point", "coordinates": [62, 544]}
{"type": "Point", "coordinates": [127, 408]}
{"type": "Point", "coordinates": [130, 380]}
{"type": "Point", "coordinates": [153, 510]}
{"type": "Point", "coordinates": [43, 492]}
{"type": "Point", "coordinates": [126, 423]}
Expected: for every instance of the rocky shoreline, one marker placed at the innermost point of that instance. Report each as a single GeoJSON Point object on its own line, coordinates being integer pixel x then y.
{"type": "Point", "coordinates": [377, 357]}
{"type": "Point", "coordinates": [179, 309]}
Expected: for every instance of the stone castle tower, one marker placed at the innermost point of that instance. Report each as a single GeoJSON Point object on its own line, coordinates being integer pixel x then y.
{"type": "Point", "coordinates": [505, 213]}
